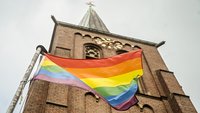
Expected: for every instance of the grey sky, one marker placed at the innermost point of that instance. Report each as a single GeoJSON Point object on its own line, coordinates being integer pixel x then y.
{"type": "Point", "coordinates": [26, 24]}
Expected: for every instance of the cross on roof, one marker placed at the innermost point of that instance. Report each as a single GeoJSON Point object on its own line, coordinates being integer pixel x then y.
{"type": "Point", "coordinates": [90, 3]}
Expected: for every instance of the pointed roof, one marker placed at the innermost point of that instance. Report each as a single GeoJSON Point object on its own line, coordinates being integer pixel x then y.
{"type": "Point", "coordinates": [92, 20]}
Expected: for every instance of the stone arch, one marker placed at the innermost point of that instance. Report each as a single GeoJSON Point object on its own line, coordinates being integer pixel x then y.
{"type": "Point", "coordinates": [127, 46]}
{"type": "Point", "coordinates": [117, 45]}
{"type": "Point", "coordinates": [87, 36]}
{"type": "Point", "coordinates": [77, 33]}
{"type": "Point", "coordinates": [98, 40]}
{"type": "Point", "coordinates": [93, 95]}
{"type": "Point", "coordinates": [96, 37]}
{"type": "Point", "coordinates": [147, 109]}
{"type": "Point", "coordinates": [120, 51]}
{"type": "Point", "coordinates": [136, 47]}
{"type": "Point", "coordinates": [92, 51]}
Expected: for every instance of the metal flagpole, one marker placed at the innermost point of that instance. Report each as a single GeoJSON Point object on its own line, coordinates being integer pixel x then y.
{"type": "Point", "coordinates": [39, 50]}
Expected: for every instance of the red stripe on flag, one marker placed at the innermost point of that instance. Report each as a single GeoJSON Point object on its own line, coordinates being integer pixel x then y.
{"type": "Point", "coordinates": [94, 63]}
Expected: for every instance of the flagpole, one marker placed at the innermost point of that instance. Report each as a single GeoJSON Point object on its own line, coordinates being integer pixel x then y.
{"type": "Point", "coordinates": [39, 50]}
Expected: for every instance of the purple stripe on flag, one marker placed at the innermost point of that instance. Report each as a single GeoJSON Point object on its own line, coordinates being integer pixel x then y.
{"type": "Point", "coordinates": [71, 82]}
{"type": "Point", "coordinates": [126, 105]}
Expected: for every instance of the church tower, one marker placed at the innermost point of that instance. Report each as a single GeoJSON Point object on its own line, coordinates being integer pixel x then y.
{"type": "Point", "coordinates": [159, 90]}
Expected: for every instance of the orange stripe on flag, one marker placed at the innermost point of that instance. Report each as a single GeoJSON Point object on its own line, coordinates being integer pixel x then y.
{"type": "Point", "coordinates": [104, 72]}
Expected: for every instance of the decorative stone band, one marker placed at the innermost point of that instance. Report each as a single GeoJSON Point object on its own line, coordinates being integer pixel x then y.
{"type": "Point", "coordinates": [109, 43]}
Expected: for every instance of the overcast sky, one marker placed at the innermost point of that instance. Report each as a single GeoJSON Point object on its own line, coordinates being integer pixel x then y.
{"type": "Point", "coordinates": [24, 24]}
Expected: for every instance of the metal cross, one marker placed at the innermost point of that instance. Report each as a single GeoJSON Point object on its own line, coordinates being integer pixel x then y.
{"type": "Point", "coordinates": [90, 3]}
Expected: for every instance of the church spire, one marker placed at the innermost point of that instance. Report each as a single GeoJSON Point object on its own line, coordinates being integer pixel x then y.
{"type": "Point", "coordinates": [92, 20]}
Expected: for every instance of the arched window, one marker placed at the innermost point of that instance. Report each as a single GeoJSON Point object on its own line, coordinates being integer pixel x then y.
{"type": "Point", "coordinates": [92, 51]}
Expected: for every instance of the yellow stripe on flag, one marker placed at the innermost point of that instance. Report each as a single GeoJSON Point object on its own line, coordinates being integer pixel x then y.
{"type": "Point", "coordinates": [122, 79]}
{"type": "Point", "coordinates": [47, 62]}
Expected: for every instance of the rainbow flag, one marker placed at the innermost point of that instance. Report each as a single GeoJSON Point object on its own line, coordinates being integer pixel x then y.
{"type": "Point", "coordinates": [114, 79]}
